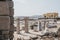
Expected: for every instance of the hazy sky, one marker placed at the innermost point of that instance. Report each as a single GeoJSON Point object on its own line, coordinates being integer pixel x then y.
{"type": "Point", "coordinates": [35, 7]}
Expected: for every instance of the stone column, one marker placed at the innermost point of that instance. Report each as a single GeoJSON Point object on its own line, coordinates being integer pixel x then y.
{"type": "Point", "coordinates": [26, 24]}
{"type": "Point", "coordinates": [40, 28]}
{"type": "Point", "coordinates": [18, 25]}
{"type": "Point", "coordinates": [44, 24]}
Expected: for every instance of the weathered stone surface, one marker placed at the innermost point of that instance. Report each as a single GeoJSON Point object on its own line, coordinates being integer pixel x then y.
{"type": "Point", "coordinates": [6, 36]}
{"type": "Point", "coordinates": [11, 10]}
{"type": "Point", "coordinates": [5, 32]}
{"type": "Point", "coordinates": [11, 27]}
{"type": "Point", "coordinates": [26, 24]}
{"type": "Point", "coordinates": [4, 8]}
{"type": "Point", "coordinates": [11, 20]}
{"type": "Point", "coordinates": [58, 38]}
{"type": "Point", "coordinates": [4, 22]}
{"type": "Point", "coordinates": [18, 25]}
{"type": "Point", "coordinates": [11, 34]}
{"type": "Point", "coordinates": [11, 4]}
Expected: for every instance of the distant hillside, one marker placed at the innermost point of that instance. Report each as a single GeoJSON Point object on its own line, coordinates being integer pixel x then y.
{"type": "Point", "coordinates": [30, 17]}
{"type": "Point", "coordinates": [37, 16]}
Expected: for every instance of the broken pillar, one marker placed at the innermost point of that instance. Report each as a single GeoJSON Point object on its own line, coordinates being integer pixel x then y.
{"type": "Point", "coordinates": [18, 25]}
{"type": "Point", "coordinates": [44, 24]}
{"type": "Point", "coordinates": [40, 28]}
{"type": "Point", "coordinates": [26, 24]}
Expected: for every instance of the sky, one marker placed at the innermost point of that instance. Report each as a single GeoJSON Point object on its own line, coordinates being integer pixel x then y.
{"type": "Point", "coordinates": [35, 7]}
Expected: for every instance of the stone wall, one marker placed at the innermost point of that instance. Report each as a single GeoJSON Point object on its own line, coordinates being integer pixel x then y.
{"type": "Point", "coordinates": [6, 19]}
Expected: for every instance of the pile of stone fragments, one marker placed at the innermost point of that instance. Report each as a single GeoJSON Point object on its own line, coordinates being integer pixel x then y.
{"type": "Point", "coordinates": [6, 20]}
{"type": "Point", "coordinates": [52, 36]}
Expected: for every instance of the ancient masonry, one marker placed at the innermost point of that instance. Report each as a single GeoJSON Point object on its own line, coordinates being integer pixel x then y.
{"type": "Point", "coordinates": [6, 20]}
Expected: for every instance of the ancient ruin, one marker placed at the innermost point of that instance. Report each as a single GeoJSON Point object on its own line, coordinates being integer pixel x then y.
{"type": "Point", "coordinates": [6, 20]}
